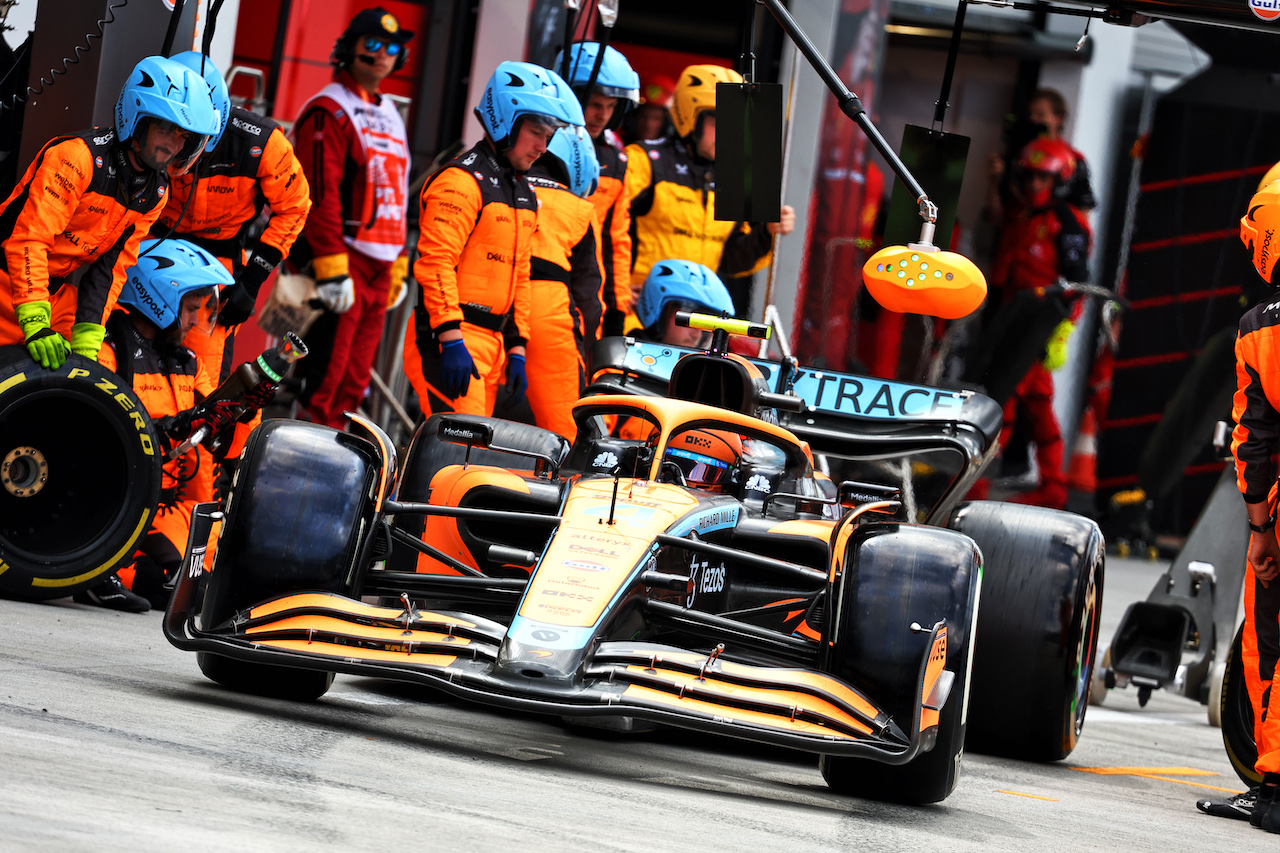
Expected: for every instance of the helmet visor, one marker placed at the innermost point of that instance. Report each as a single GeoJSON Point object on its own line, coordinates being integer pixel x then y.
{"type": "Point", "coordinates": [700, 471]}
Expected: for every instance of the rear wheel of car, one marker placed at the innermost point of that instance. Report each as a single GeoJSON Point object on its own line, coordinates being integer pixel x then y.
{"type": "Point", "coordinates": [1236, 712]}
{"type": "Point", "coordinates": [299, 509]}
{"type": "Point", "coordinates": [895, 575]}
{"type": "Point", "coordinates": [79, 475]}
{"type": "Point", "coordinates": [1042, 581]}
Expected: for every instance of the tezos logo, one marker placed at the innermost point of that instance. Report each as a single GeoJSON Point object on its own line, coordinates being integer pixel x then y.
{"type": "Point", "coordinates": [1266, 10]}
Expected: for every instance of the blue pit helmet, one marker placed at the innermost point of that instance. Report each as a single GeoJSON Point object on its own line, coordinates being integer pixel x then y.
{"type": "Point", "coordinates": [203, 66]}
{"type": "Point", "coordinates": [519, 89]}
{"type": "Point", "coordinates": [160, 89]}
{"type": "Point", "coordinates": [168, 271]}
{"type": "Point", "coordinates": [690, 286]}
{"type": "Point", "coordinates": [616, 79]}
{"type": "Point", "coordinates": [573, 157]}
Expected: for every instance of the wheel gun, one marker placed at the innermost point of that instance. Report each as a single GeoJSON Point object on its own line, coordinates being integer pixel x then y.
{"type": "Point", "coordinates": [246, 390]}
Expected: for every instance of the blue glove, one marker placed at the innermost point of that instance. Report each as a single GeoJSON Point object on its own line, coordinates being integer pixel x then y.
{"type": "Point", "coordinates": [458, 368]}
{"type": "Point", "coordinates": [517, 381]}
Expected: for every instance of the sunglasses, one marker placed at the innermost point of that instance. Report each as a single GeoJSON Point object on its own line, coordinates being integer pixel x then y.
{"type": "Point", "coordinates": [169, 127]}
{"type": "Point", "coordinates": [373, 45]}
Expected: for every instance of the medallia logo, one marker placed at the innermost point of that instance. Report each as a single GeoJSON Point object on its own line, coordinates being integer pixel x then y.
{"type": "Point", "coordinates": [1266, 10]}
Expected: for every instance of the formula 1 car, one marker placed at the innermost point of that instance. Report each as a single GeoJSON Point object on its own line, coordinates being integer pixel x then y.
{"type": "Point", "coordinates": [680, 562]}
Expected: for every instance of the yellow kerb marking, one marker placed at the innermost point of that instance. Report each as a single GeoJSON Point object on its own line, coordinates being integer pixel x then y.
{"type": "Point", "coordinates": [1028, 796]}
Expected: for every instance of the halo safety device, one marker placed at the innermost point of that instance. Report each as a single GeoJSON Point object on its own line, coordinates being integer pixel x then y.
{"type": "Point", "coordinates": [690, 285]}
{"type": "Point", "coordinates": [519, 89]}
{"type": "Point", "coordinates": [169, 270]}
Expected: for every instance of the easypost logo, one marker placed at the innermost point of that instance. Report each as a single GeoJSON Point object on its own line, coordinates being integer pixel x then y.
{"type": "Point", "coordinates": [1265, 259]}
{"type": "Point", "coordinates": [1266, 10]}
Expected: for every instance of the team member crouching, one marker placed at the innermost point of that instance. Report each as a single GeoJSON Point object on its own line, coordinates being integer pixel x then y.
{"type": "Point", "coordinates": [170, 291]}
{"type": "Point", "coordinates": [565, 281]}
{"type": "Point", "coordinates": [679, 285]}
{"type": "Point", "coordinates": [477, 221]}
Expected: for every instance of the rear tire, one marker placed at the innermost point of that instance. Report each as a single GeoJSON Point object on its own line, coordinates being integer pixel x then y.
{"type": "Point", "coordinates": [895, 575]}
{"type": "Point", "coordinates": [1236, 712]}
{"type": "Point", "coordinates": [1042, 583]}
{"type": "Point", "coordinates": [79, 475]}
{"type": "Point", "coordinates": [300, 506]}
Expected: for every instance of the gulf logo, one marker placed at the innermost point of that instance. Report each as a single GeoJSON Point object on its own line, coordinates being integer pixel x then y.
{"type": "Point", "coordinates": [1266, 10]}
{"type": "Point", "coordinates": [585, 566]}
{"type": "Point", "coordinates": [97, 161]}
{"type": "Point", "coordinates": [255, 151]}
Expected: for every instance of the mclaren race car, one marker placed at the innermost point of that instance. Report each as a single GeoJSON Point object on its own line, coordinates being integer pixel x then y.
{"type": "Point", "coordinates": [683, 561]}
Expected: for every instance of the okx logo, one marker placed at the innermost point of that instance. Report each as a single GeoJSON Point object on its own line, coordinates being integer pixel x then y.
{"type": "Point", "coordinates": [1266, 10]}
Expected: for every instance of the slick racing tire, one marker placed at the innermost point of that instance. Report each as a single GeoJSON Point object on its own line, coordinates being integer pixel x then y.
{"type": "Point", "coordinates": [1042, 582]}
{"type": "Point", "coordinates": [895, 575]}
{"type": "Point", "coordinates": [300, 506]}
{"type": "Point", "coordinates": [79, 475]}
{"type": "Point", "coordinates": [1236, 712]}
{"type": "Point", "coordinates": [429, 454]}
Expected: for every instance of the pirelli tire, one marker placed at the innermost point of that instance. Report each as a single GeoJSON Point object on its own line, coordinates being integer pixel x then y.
{"type": "Point", "coordinates": [298, 514]}
{"type": "Point", "coordinates": [895, 575]}
{"type": "Point", "coordinates": [1236, 711]}
{"type": "Point", "coordinates": [1042, 582]}
{"type": "Point", "coordinates": [79, 475]}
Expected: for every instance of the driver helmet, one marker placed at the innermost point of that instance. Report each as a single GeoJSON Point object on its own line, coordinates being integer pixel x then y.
{"type": "Point", "coordinates": [167, 271]}
{"type": "Point", "coordinates": [616, 79]}
{"type": "Point", "coordinates": [682, 286]}
{"type": "Point", "coordinates": [1258, 229]}
{"type": "Point", "coordinates": [695, 96]}
{"type": "Point", "coordinates": [709, 458]}
{"type": "Point", "coordinates": [521, 89]}
{"type": "Point", "coordinates": [203, 65]}
{"type": "Point", "coordinates": [163, 90]}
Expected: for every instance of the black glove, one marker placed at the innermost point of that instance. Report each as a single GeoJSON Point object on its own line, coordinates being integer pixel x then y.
{"type": "Point", "coordinates": [239, 299]}
{"type": "Point", "coordinates": [236, 305]}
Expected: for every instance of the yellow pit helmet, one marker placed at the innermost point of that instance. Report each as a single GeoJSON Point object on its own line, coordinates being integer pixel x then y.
{"type": "Point", "coordinates": [696, 93]}
{"type": "Point", "coordinates": [1258, 229]}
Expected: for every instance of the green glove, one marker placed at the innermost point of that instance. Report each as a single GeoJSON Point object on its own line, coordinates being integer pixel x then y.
{"type": "Point", "coordinates": [1055, 352]}
{"type": "Point", "coordinates": [86, 339]}
{"type": "Point", "coordinates": [45, 345]}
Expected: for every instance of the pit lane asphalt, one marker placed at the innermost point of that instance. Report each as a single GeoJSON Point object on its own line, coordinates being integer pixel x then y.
{"type": "Point", "coordinates": [113, 740]}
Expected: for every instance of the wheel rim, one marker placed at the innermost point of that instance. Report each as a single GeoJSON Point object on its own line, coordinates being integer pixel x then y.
{"type": "Point", "coordinates": [1085, 654]}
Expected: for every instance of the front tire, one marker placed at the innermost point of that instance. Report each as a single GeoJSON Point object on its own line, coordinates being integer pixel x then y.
{"type": "Point", "coordinates": [894, 575]}
{"type": "Point", "coordinates": [1042, 584]}
{"type": "Point", "coordinates": [299, 509]}
{"type": "Point", "coordinates": [1236, 713]}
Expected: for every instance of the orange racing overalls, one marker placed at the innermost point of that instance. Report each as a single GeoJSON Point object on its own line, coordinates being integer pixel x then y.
{"type": "Point", "coordinates": [613, 213]}
{"type": "Point", "coordinates": [80, 203]}
{"type": "Point", "coordinates": [253, 167]}
{"type": "Point", "coordinates": [477, 221]}
{"type": "Point", "coordinates": [566, 305]}
{"type": "Point", "coordinates": [1256, 437]}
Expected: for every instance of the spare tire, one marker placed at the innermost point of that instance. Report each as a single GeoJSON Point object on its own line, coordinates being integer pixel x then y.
{"type": "Point", "coordinates": [79, 475]}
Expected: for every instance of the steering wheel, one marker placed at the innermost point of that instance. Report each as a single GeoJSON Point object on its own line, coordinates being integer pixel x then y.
{"type": "Point", "coordinates": [676, 473]}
